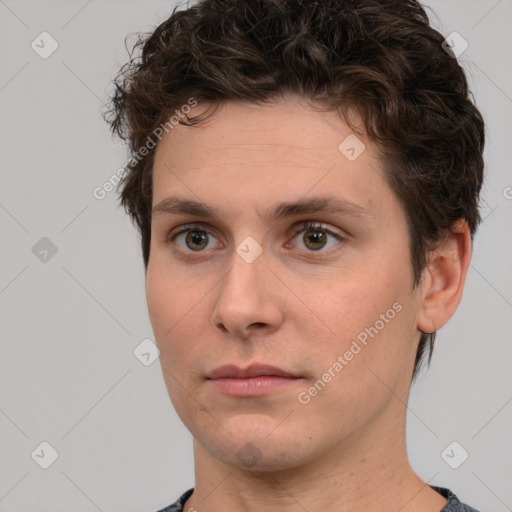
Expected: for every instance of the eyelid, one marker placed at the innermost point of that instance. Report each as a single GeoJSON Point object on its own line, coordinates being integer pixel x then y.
{"type": "Point", "coordinates": [299, 227]}
{"type": "Point", "coordinates": [194, 226]}
{"type": "Point", "coordinates": [318, 226]}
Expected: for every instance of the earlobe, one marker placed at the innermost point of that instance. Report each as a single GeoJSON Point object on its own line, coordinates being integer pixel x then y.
{"type": "Point", "coordinates": [445, 276]}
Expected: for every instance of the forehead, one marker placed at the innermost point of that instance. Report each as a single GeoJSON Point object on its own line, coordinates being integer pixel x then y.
{"type": "Point", "coordinates": [248, 151]}
{"type": "Point", "coordinates": [289, 127]}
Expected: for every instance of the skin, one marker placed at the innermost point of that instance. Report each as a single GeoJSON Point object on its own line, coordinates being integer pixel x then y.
{"type": "Point", "coordinates": [293, 307]}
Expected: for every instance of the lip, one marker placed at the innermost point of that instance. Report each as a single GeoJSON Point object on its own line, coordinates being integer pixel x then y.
{"type": "Point", "coordinates": [254, 370]}
{"type": "Point", "coordinates": [256, 380]}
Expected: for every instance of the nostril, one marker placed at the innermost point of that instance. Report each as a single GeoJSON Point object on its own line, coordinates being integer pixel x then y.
{"type": "Point", "coordinates": [222, 327]}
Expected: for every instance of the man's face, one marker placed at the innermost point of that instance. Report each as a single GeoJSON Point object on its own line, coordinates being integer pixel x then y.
{"type": "Point", "coordinates": [330, 304]}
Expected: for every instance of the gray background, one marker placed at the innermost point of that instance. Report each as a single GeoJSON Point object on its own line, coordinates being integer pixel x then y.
{"type": "Point", "coordinates": [68, 375]}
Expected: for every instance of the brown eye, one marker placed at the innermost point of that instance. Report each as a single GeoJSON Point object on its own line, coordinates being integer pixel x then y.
{"type": "Point", "coordinates": [314, 239]}
{"type": "Point", "coordinates": [196, 240]}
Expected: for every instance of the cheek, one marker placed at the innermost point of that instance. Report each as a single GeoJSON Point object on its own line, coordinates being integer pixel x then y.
{"type": "Point", "coordinates": [352, 302]}
{"type": "Point", "coordinates": [168, 306]}
{"type": "Point", "coordinates": [367, 362]}
{"type": "Point", "coordinates": [367, 317]}
{"type": "Point", "coordinates": [168, 296]}
{"type": "Point", "coordinates": [179, 309]}
{"type": "Point", "coordinates": [175, 317]}
{"type": "Point", "coordinates": [160, 300]}
{"type": "Point", "coordinates": [179, 312]}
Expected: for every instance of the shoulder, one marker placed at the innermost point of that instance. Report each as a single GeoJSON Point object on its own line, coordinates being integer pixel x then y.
{"type": "Point", "coordinates": [177, 506]}
{"type": "Point", "coordinates": [453, 504]}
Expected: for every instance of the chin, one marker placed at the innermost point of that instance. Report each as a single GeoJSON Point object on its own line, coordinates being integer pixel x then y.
{"type": "Point", "coordinates": [257, 446]}
{"type": "Point", "coordinates": [254, 457]}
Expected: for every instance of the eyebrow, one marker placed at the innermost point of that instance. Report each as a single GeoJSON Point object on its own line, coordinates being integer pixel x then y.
{"type": "Point", "coordinates": [279, 211]}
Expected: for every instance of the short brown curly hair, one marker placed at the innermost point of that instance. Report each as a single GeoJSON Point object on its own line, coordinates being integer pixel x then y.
{"type": "Point", "coordinates": [379, 57]}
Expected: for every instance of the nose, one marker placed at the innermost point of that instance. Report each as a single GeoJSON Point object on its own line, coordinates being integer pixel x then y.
{"type": "Point", "coordinates": [248, 299]}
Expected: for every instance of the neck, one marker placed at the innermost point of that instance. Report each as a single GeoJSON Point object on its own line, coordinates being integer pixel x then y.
{"type": "Point", "coordinates": [356, 476]}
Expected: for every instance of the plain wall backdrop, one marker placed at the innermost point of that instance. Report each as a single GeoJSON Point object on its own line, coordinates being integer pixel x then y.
{"type": "Point", "coordinates": [72, 293]}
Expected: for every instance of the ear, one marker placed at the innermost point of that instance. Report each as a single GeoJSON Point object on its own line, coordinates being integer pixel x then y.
{"type": "Point", "coordinates": [444, 278]}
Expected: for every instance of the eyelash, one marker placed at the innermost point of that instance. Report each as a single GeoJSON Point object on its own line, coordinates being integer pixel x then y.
{"type": "Point", "coordinates": [304, 226]}
{"type": "Point", "coordinates": [315, 226]}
